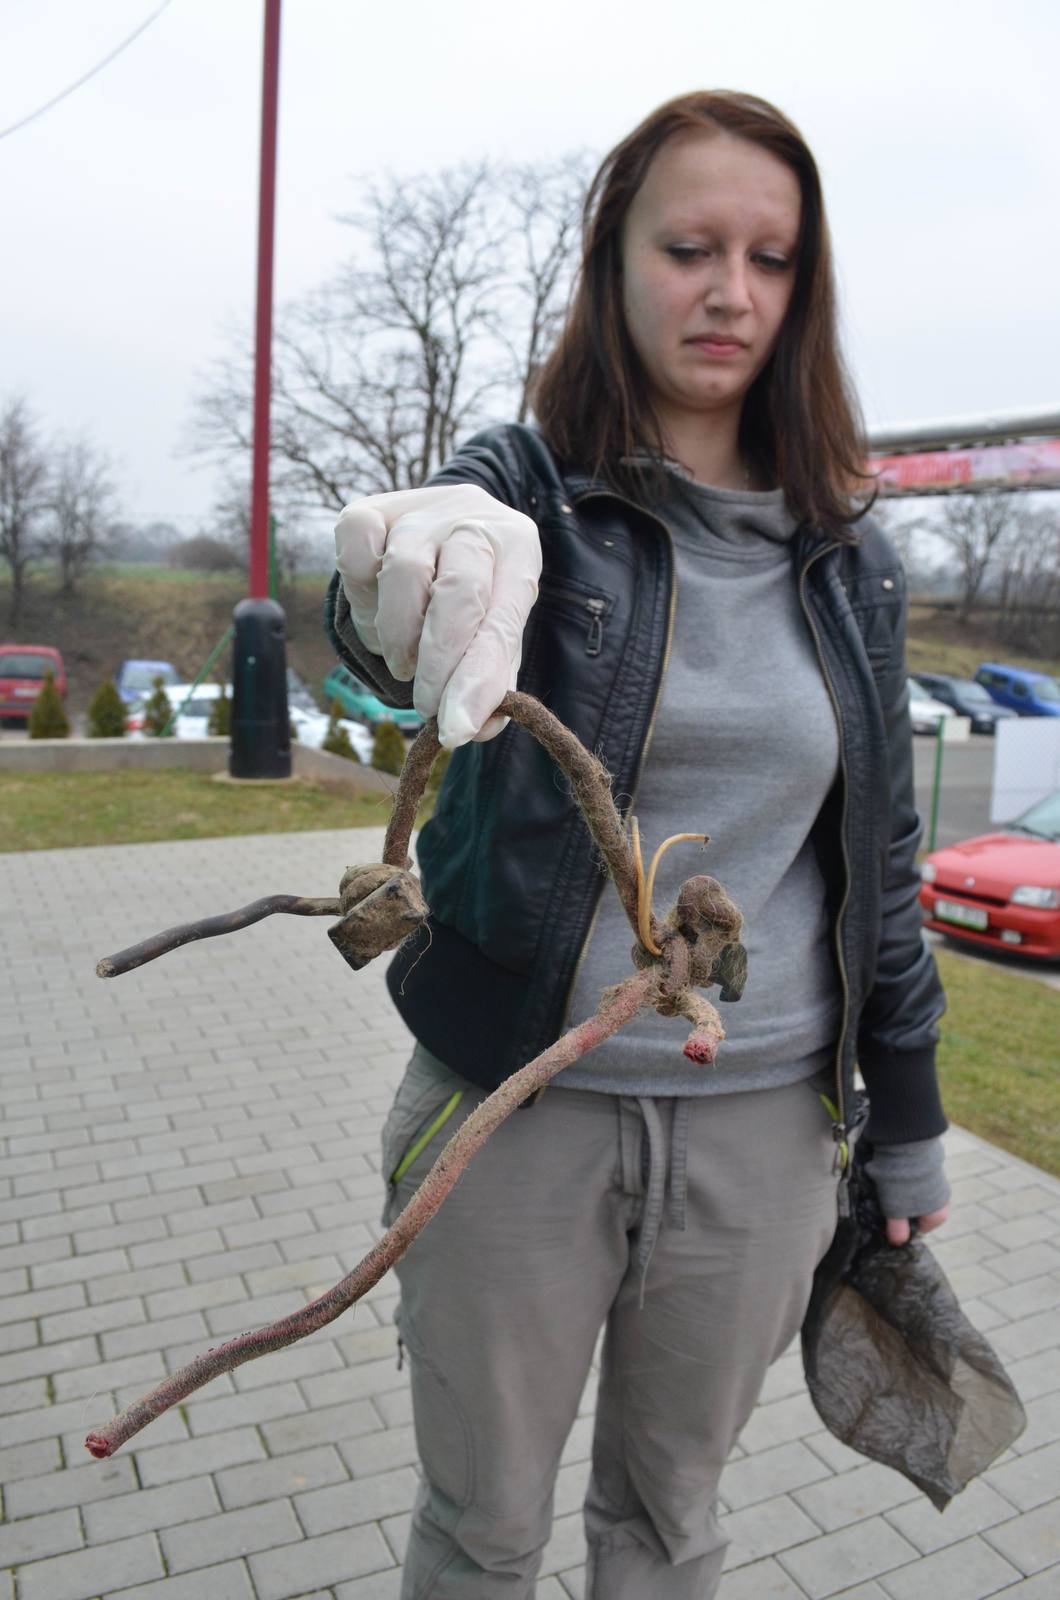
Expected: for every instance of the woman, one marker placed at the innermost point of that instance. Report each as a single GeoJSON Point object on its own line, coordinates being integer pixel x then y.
{"type": "Point", "coordinates": [718, 618]}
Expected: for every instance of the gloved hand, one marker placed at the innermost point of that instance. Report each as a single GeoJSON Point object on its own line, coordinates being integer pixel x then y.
{"type": "Point", "coordinates": [440, 582]}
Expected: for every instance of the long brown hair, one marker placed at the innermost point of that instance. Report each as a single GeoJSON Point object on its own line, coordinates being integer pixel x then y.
{"type": "Point", "coordinates": [800, 426]}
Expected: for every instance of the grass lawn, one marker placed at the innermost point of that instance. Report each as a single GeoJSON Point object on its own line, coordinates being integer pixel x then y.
{"type": "Point", "coordinates": [998, 1058]}
{"type": "Point", "coordinates": [57, 810]}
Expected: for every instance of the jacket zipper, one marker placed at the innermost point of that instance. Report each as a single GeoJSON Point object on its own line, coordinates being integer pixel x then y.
{"type": "Point", "coordinates": [611, 495]}
{"type": "Point", "coordinates": [840, 1130]}
{"type": "Point", "coordinates": [594, 640]}
{"type": "Point", "coordinates": [596, 606]}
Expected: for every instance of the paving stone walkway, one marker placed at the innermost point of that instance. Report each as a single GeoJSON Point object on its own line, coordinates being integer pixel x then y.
{"type": "Point", "coordinates": [192, 1149]}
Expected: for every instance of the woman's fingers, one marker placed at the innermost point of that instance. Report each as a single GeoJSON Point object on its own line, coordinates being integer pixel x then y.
{"type": "Point", "coordinates": [898, 1229]}
{"type": "Point", "coordinates": [490, 664]}
{"type": "Point", "coordinates": [476, 688]}
{"type": "Point", "coordinates": [406, 579]}
{"type": "Point", "coordinates": [440, 583]}
{"type": "Point", "coordinates": [460, 597]}
{"type": "Point", "coordinates": [360, 540]}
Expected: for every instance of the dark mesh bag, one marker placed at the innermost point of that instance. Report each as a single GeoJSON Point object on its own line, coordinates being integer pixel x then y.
{"type": "Point", "coordinates": [893, 1366]}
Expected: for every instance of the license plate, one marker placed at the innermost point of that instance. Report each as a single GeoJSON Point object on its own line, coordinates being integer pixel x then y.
{"type": "Point", "coordinates": [964, 916]}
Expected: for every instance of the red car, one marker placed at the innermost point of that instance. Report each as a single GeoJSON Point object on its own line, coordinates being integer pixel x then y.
{"type": "Point", "coordinates": [1002, 890]}
{"type": "Point", "coordinates": [22, 669]}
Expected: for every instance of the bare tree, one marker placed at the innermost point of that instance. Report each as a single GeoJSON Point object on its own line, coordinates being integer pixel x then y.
{"type": "Point", "coordinates": [1028, 581]}
{"type": "Point", "coordinates": [546, 202]}
{"type": "Point", "coordinates": [145, 541]}
{"type": "Point", "coordinates": [443, 312]}
{"type": "Point", "coordinates": [81, 502]}
{"type": "Point", "coordinates": [23, 495]}
{"type": "Point", "coordinates": [204, 552]}
{"type": "Point", "coordinates": [293, 549]}
{"type": "Point", "coordinates": [905, 532]}
{"type": "Point", "coordinates": [975, 527]}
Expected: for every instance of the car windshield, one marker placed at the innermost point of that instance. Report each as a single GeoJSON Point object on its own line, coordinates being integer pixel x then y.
{"type": "Point", "coordinates": [196, 708]}
{"type": "Point", "coordinates": [1042, 819]}
{"type": "Point", "coordinates": [1046, 689]}
{"type": "Point", "coordinates": [917, 691]}
{"type": "Point", "coordinates": [144, 675]}
{"type": "Point", "coordinates": [972, 691]}
{"type": "Point", "coordinates": [25, 665]}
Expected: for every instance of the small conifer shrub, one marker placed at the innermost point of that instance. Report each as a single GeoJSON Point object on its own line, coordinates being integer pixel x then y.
{"type": "Point", "coordinates": [106, 712]}
{"type": "Point", "coordinates": [157, 711]}
{"type": "Point", "coordinates": [48, 719]}
{"type": "Point", "coordinates": [220, 724]}
{"type": "Point", "coordinates": [337, 738]}
{"type": "Point", "coordinates": [388, 748]}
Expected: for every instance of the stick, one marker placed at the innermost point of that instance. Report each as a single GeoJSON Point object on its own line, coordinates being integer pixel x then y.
{"type": "Point", "coordinates": [617, 1007]}
{"type": "Point", "coordinates": [159, 944]}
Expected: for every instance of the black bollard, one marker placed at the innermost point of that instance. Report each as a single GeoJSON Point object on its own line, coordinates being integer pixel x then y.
{"type": "Point", "coordinates": [261, 733]}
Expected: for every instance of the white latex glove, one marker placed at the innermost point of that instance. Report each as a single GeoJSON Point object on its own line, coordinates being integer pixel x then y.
{"type": "Point", "coordinates": [440, 583]}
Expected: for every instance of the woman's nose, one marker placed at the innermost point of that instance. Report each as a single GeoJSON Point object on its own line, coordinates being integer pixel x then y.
{"type": "Point", "coordinates": [729, 287]}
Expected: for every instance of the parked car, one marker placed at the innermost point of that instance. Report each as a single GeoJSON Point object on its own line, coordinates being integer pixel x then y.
{"type": "Point", "coordinates": [967, 698]}
{"type": "Point", "coordinates": [925, 713]}
{"type": "Point", "coordinates": [1029, 694]}
{"type": "Point", "coordinates": [194, 719]}
{"type": "Point", "coordinates": [137, 677]}
{"type": "Point", "coordinates": [23, 668]}
{"type": "Point", "coordinates": [1000, 890]}
{"type": "Point", "coordinates": [360, 703]}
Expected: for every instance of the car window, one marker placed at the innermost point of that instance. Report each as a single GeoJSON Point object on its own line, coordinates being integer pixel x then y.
{"type": "Point", "coordinates": [24, 664]}
{"type": "Point", "coordinates": [972, 691]}
{"type": "Point", "coordinates": [1044, 817]}
{"type": "Point", "coordinates": [143, 677]}
{"type": "Point", "coordinates": [1046, 690]}
{"type": "Point", "coordinates": [1020, 689]}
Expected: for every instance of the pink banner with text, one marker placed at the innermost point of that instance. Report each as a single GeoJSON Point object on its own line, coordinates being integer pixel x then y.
{"type": "Point", "coordinates": [1033, 463]}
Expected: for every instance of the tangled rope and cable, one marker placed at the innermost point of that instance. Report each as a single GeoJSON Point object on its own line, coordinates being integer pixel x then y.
{"type": "Point", "coordinates": [379, 905]}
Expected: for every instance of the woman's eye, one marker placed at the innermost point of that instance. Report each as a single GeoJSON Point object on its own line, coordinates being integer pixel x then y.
{"type": "Point", "coordinates": [686, 253]}
{"type": "Point", "coordinates": [774, 263]}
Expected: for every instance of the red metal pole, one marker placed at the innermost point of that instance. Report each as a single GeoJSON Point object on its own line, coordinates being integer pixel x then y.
{"type": "Point", "coordinates": [258, 577]}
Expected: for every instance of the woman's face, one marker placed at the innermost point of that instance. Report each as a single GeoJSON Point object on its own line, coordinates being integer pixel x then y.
{"type": "Point", "coordinates": [708, 263]}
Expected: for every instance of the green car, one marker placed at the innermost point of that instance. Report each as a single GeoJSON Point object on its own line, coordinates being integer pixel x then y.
{"type": "Point", "coordinates": [358, 701]}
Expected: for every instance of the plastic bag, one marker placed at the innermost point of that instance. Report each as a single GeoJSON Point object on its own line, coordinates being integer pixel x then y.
{"type": "Point", "coordinates": [893, 1366]}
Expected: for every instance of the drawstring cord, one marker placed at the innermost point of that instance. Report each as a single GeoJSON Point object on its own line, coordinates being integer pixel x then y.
{"type": "Point", "coordinates": [665, 1180]}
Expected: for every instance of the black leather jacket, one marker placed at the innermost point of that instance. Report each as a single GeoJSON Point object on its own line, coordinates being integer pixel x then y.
{"type": "Point", "coordinates": [506, 861]}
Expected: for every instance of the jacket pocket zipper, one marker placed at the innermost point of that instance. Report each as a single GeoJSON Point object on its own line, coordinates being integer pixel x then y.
{"type": "Point", "coordinates": [425, 1135]}
{"type": "Point", "coordinates": [596, 607]}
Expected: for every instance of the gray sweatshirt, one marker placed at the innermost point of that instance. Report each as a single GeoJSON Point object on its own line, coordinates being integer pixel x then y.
{"type": "Point", "coordinates": [744, 747]}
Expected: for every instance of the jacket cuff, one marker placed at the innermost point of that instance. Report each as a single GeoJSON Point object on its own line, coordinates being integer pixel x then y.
{"type": "Point", "coordinates": [910, 1178]}
{"type": "Point", "coordinates": [903, 1095]}
{"type": "Point", "coordinates": [356, 655]}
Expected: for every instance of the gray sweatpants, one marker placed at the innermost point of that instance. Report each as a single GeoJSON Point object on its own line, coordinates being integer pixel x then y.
{"type": "Point", "coordinates": [687, 1229]}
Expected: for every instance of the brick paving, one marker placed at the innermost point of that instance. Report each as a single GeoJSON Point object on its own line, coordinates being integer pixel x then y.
{"type": "Point", "coordinates": [192, 1149]}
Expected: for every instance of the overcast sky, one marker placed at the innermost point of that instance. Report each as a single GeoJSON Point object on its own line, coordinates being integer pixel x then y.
{"type": "Point", "coordinates": [128, 211]}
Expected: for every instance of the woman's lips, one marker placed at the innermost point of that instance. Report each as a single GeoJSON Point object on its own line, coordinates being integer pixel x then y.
{"type": "Point", "coordinates": [719, 348]}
